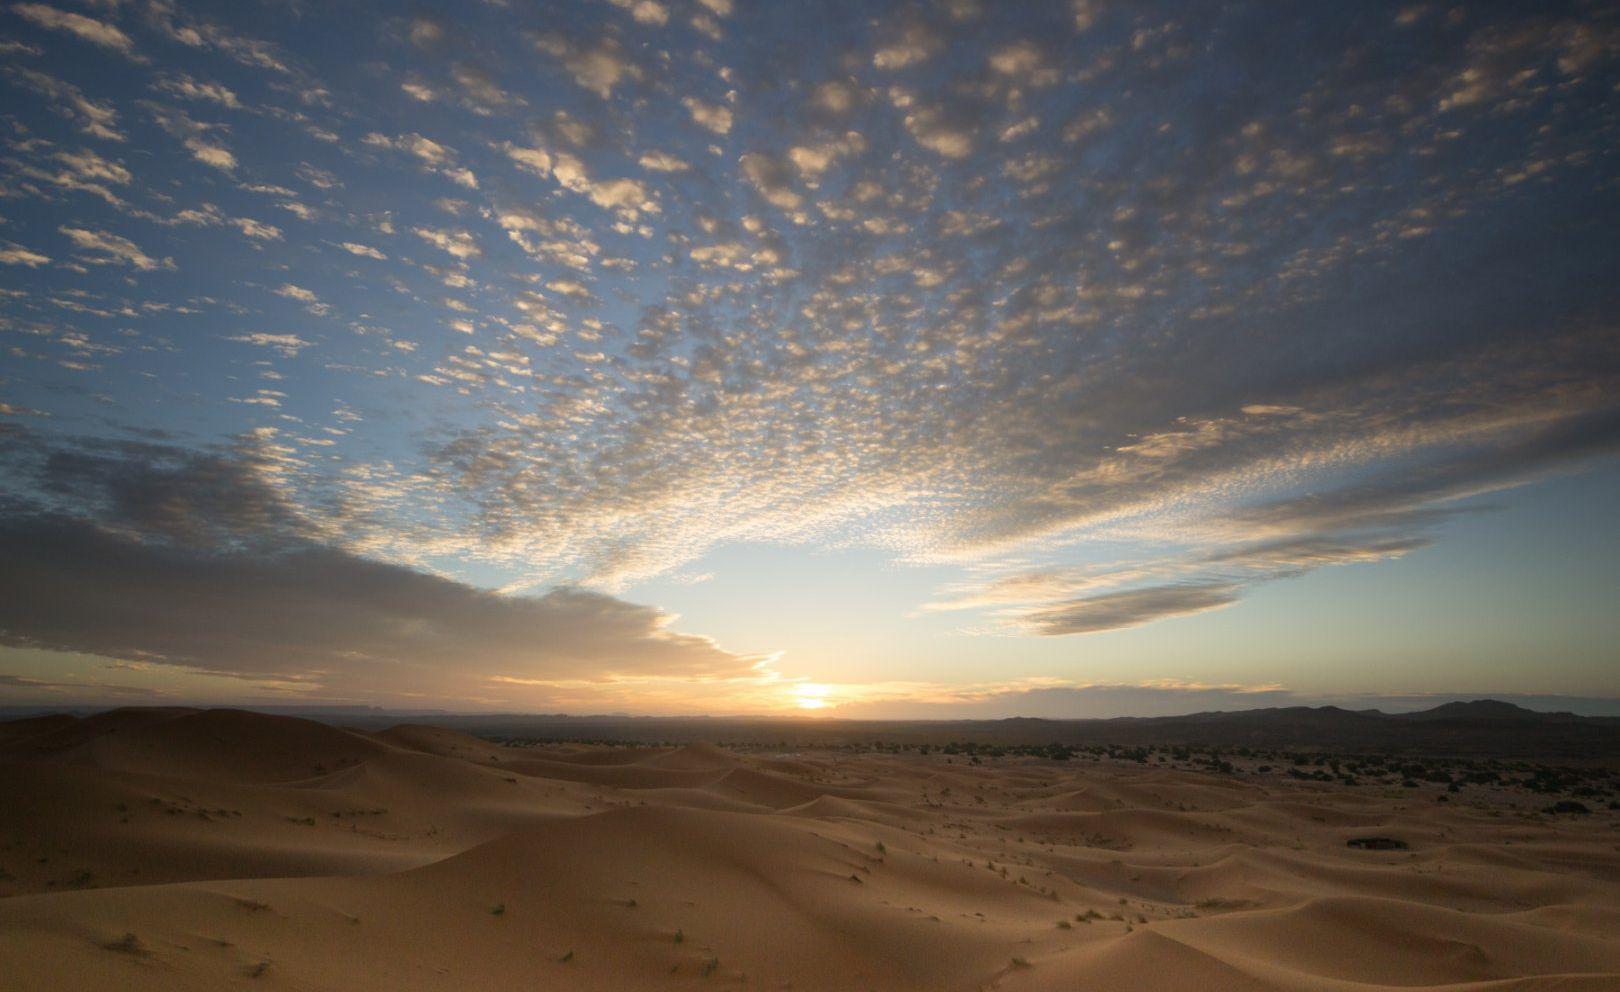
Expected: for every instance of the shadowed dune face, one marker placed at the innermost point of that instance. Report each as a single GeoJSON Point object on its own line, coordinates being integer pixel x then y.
{"type": "Point", "coordinates": [418, 858]}
{"type": "Point", "coordinates": [206, 745]}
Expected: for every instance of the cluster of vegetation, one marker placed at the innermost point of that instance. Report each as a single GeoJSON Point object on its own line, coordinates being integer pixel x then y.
{"type": "Point", "coordinates": [1456, 774]}
{"type": "Point", "coordinates": [1595, 783]}
{"type": "Point", "coordinates": [1052, 752]}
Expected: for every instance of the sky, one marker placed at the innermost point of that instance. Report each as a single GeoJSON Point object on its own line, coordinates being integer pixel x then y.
{"type": "Point", "coordinates": [929, 359]}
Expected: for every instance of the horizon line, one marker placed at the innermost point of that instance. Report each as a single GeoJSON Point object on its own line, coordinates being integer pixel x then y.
{"type": "Point", "coordinates": [24, 711]}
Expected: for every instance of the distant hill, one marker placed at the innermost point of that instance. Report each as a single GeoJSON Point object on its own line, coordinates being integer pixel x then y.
{"type": "Point", "coordinates": [1483, 709]}
{"type": "Point", "coordinates": [1485, 727]}
{"type": "Point", "coordinates": [1481, 727]}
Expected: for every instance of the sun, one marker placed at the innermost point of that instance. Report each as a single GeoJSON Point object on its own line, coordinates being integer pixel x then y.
{"type": "Point", "coordinates": [811, 695]}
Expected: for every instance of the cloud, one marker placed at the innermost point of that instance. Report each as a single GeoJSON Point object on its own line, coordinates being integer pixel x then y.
{"type": "Point", "coordinates": [936, 131]}
{"type": "Point", "coordinates": [835, 96]}
{"type": "Point", "coordinates": [1422, 495]}
{"type": "Point", "coordinates": [215, 155]}
{"type": "Point", "coordinates": [1380, 517]}
{"type": "Point", "coordinates": [1297, 555]}
{"type": "Point", "coordinates": [186, 87]}
{"type": "Point", "coordinates": [598, 67]}
{"type": "Point", "coordinates": [104, 248]}
{"type": "Point", "coordinates": [194, 560]}
{"type": "Point", "coordinates": [480, 91]}
{"type": "Point", "coordinates": [1025, 61]}
{"type": "Point", "coordinates": [628, 198]}
{"type": "Point", "coordinates": [196, 136]}
{"type": "Point", "coordinates": [320, 614]}
{"type": "Point", "coordinates": [914, 44]}
{"type": "Point", "coordinates": [715, 117]}
{"type": "Point", "coordinates": [88, 28]}
{"type": "Point", "coordinates": [812, 160]}
{"type": "Point", "coordinates": [18, 255]}
{"type": "Point", "coordinates": [365, 251]}
{"type": "Point", "coordinates": [562, 241]}
{"type": "Point", "coordinates": [194, 32]}
{"type": "Point", "coordinates": [78, 690]}
{"type": "Point", "coordinates": [312, 303]}
{"type": "Point", "coordinates": [1052, 699]}
{"type": "Point", "coordinates": [208, 215]}
{"type": "Point", "coordinates": [317, 177]}
{"type": "Point", "coordinates": [168, 495]}
{"type": "Point", "coordinates": [1085, 13]}
{"type": "Point", "coordinates": [771, 177]}
{"type": "Point", "coordinates": [287, 345]}
{"type": "Point", "coordinates": [644, 11]}
{"type": "Point", "coordinates": [433, 156]}
{"type": "Point", "coordinates": [1064, 699]}
{"type": "Point", "coordinates": [95, 118]}
{"type": "Point", "coordinates": [1114, 611]}
{"type": "Point", "coordinates": [83, 171]}
{"type": "Point", "coordinates": [535, 160]}
{"type": "Point", "coordinates": [419, 91]}
{"type": "Point", "coordinates": [457, 243]}
{"type": "Point", "coordinates": [657, 161]}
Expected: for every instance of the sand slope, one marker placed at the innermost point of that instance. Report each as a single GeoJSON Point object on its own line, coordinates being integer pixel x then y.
{"type": "Point", "coordinates": [306, 857]}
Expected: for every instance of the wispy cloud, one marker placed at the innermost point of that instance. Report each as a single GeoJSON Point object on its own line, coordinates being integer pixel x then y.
{"type": "Point", "coordinates": [105, 248]}
{"type": "Point", "coordinates": [1113, 611]}
{"type": "Point", "coordinates": [288, 345]}
{"type": "Point", "coordinates": [88, 28]}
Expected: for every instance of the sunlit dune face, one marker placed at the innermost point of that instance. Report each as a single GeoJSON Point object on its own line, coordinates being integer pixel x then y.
{"type": "Point", "coordinates": [811, 696]}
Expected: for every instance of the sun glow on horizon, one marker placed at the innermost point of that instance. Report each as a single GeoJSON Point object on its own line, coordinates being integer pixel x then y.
{"type": "Point", "coordinates": [811, 696]}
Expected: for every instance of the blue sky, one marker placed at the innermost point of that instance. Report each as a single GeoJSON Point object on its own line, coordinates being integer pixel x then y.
{"type": "Point", "coordinates": [894, 359]}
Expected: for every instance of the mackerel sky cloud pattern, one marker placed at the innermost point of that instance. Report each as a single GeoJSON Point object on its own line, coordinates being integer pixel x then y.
{"type": "Point", "coordinates": [1116, 312]}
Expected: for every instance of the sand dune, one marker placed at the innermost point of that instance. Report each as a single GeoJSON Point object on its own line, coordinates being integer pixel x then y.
{"type": "Point", "coordinates": [309, 857]}
{"type": "Point", "coordinates": [202, 745]}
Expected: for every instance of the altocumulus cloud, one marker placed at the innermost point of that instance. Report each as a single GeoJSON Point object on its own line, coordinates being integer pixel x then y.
{"type": "Point", "coordinates": [984, 285]}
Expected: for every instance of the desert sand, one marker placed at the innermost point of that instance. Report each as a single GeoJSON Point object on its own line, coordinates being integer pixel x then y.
{"type": "Point", "coordinates": [182, 849]}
